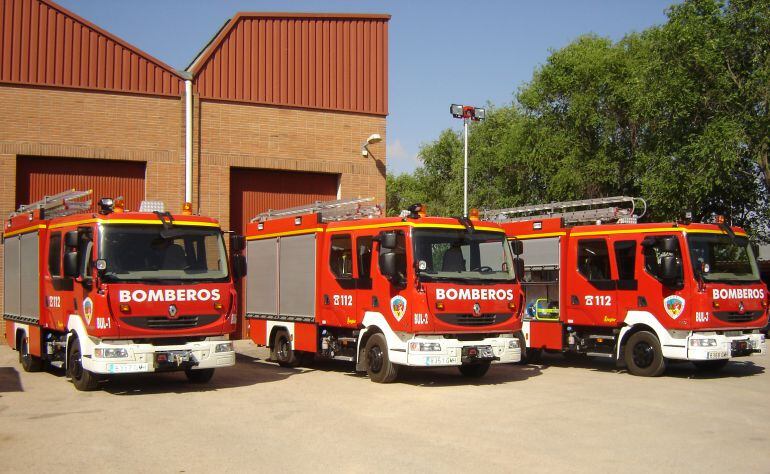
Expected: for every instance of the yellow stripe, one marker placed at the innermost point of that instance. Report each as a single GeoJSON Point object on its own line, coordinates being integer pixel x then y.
{"type": "Point", "coordinates": [411, 224]}
{"type": "Point", "coordinates": [654, 229]}
{"type": "Point", "coordinates": [371, 226]}
{"type": "Point", "coordinates": [281, 234]}
{"type": "Point", "coordinates": [537, 236]}
{"type": "Point", "coordinates": [131, 221]}
{"type": "Point", "coordinates": [24, 230]}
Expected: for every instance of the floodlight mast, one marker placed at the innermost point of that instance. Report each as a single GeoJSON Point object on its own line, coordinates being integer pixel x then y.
{"type": "Point", "coordinates": [467, 113]}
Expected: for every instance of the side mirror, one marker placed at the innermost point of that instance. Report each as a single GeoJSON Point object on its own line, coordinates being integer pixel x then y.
{"type": "Point", "coordinates": [71, 239]}
{"type": "Point", "coordinates": [237, 243]}
{"type": "Point", "coordinates": [388, 239]}
{"type": "Point", "coordinates": [388, 265]}
{"type": "Point", "coordinates": [517, 247]}
{"type": "Point", "coordinates": [239, 266]}
{"type": "Point", "coordinates": [669, 244]}
{"type": "Point", "coordinates": [71, 263]}
{"type": "Point", "coordinates": [669, 268]}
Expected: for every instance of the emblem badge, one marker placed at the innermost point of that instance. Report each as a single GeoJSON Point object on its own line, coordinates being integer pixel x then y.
{"type": "Point", "coordinates": [476, 309]}
{"type": "Point", "coordinates": [398, 307]}
{"type": "Point", "coordinates": [88, 310]}
{"type": "Point", "coordinates": [674, 306]}
{"type": "Point", "coordinates": [172, 312]}
{"type": "Point", "coordinates": [741, 308]}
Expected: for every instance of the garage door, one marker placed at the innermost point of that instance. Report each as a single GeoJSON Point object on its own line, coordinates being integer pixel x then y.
{"type": "Point", "coordinates": [37, 177]}
{"type": "Point", "coordinates": [254, 191]}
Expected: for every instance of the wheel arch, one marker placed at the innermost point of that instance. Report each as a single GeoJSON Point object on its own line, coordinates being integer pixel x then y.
{"type": "Point", "coordinates": [20, 334]}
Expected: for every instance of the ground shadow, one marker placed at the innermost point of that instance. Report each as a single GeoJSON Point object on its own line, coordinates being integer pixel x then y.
{"type": "Point", "coordinates": [679, 369]}
{"type": "Point", "coordinates": [436, 376]}
{"type": "Point", "coordinates": [10, 380]}
{"type": "Point", "coordinates": [247, 371]}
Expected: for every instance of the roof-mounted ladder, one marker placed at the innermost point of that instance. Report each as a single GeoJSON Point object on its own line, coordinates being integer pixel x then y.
{"type": "Point", "coordinates": [619, 209]}
{"type": "Point", "coordinates": [58, 205]}
{"type": "Point", "coordinates": [338, 210]}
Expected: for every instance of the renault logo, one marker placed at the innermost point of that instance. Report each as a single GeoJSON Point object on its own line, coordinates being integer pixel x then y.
{"type": "Point", "coordinates": [741, 308]}
{"type": "Point", "coordinates": [476, 309]}
{"type": "Point", "coordinates": [172, 311]}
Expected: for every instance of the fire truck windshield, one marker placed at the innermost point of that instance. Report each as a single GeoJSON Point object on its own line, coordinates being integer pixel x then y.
{"type": "Point", "coordinates": [140, 253]}
{"type": "Point", "coordinates": [459, 255]}
{"type": "Point", "coordinates": [718, 258]}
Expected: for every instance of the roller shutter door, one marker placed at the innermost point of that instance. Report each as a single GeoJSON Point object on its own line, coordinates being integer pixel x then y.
{"type": "Point", "coordinates": [37, 177]}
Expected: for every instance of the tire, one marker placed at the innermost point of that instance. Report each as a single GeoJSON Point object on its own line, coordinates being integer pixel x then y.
{"type": "Point", "coordinates": [710, 366]}
{"type": "Point", "coordinates": [29, 362]}
{"type": "Point", "coordinates": [475, 371]}
{"type": "Point", "coordinates": [379, 368]}
{"type": "Point", "coordinates": [643, 355]}
{"type": "Point", "coordinates": [82, 379]}
{"type": "Point", "coordinates": [284, 354]}
{"type": "Point", "coordinates": [533, 356]}
{"type": "Point", "coordinates": [199, 376]}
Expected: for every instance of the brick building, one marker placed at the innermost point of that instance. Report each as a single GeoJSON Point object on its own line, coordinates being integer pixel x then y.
{"type": "Point", "coordinates": [280, 102]}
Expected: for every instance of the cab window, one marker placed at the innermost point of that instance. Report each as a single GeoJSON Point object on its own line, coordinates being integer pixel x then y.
{"type": "Point", "coordinates": [654, 252]}
{"type": "Point", "coordinates": [594, 260]}
{"type": "Point", "coordinates": [341, 256]}
{"type": "Point", "coordinates": [54, 254]}
{"type": "Point", "coordinates": [625, 260]}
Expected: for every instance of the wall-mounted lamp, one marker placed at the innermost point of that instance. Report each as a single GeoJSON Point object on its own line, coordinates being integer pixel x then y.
{"type": "Point", "coordinates": [373, 138]}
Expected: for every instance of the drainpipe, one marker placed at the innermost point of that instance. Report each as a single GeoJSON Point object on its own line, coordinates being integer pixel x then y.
{"type": "Point", "coordinates": [188, 141]}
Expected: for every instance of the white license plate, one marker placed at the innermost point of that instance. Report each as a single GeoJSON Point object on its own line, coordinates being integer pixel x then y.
{"type": "Point", "coordinates": [126, 368]}
{"type": "Point", "coordinates": [440, 360]}
{"type": "Point", "coordinates": [717, 355]}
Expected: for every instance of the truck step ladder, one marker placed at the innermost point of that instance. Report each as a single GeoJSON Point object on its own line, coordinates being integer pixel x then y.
{"type": "Point", "coordinates": [58, 205]}
{"type": "Point", "coordinates": [618, 209]}
{"type": "Point", "coordinates": [337, 210]}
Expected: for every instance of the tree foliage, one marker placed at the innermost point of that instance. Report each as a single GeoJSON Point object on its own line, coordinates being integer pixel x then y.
{"type": "Point", "coordinates": [677, 114]}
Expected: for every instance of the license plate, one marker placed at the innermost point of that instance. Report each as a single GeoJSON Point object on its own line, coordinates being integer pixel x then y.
{"type": "Point", "coordinates": [441, 360]}
{"type": "Point", "coordinates": [126, 368]}
{"type": "Point", "coordinates": [717, 355]}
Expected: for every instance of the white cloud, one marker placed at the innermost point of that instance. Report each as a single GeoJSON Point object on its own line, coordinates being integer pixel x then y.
{"type": "Point", "coordinates": [400, 160]}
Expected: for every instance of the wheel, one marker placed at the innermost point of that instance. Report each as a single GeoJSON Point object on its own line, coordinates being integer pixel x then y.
{"type": "Point", "coordinates": [475, 371]}
{"type": "Point", "coordinates": [284, 354]}
{"type": "Point", "coordinates": [199, 376]}
{"type": "Point", "coordinates": [83, 380]}
{"type": "Point", "coordinates": [378, 365]}
{"type": "Point", "coordinates": [643, 355]}
{"type": "Point", "coordinates": [710, 365]}
{"type": "Point", "coordinates": [29, 362]}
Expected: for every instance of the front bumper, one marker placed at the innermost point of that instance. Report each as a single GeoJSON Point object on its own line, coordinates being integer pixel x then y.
{"type": "Point", "coordinates": [726, 347]}
{"type": "Point", "coordinates": [150, 358]}
{"type": "Point", "coordinates": [454, 352]}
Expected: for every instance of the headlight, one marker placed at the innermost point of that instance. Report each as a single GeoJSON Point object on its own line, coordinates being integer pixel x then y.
{"type": "Point", "coordinates": [110, 353]}
{"type": "Point", "coordinates": [424, 346]}
{"type": "Point", "coordinates": [224, 347]}
{"type": "Point", "coordinates": [703, 342]}
{"type": "Point", "coordinates": [513, 344]}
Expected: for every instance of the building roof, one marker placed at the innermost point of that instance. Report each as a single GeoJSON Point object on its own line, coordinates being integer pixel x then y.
{"type": "Point", "coordinates": [43, 43]}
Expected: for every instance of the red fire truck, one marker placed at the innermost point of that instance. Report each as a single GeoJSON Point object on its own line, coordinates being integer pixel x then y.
{"type": "Point", "coordinates": [643, 294]}
{"type": "Point", "coordinates": [118, 291]}
{"type": "Point", "coordinates": [336, 280]}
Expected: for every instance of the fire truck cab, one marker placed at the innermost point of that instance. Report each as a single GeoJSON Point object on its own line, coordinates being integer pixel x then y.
{"type": "Point", "coordinates": [336, 280]}
{"type": "Point", "coordinates": [116, 292]}
{"type": "Point", "coordinates": [642, 294]}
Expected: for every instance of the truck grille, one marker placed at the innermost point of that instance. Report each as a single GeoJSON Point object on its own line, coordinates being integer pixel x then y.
{"type": "Point", "coordinates": [162, 322]}
{"type": "Point", "coordinates": [469, 320]}
{"type": "Point", "coordinates": [736, 317]}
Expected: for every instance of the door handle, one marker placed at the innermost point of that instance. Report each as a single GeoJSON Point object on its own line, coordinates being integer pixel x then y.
{"type": "Point", "coordinates": [326, 299]}
{"type": "Point", "coordinates": [574, 300]}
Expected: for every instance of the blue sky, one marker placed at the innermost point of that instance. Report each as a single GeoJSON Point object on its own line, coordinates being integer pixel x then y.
{"type": "Point", "coordinates": [441, 52]}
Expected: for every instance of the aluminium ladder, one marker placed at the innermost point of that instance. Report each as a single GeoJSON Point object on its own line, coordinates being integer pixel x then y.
{"type": "Point", "coordinates": [337, 210]}
{"type": "Point", "coordinates": [619, 209]}
{"type": "Point", "coordinates": [58, 205]}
